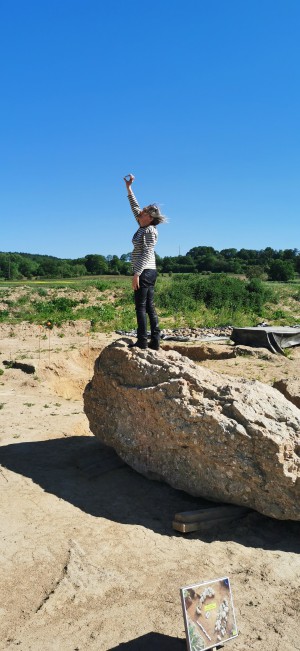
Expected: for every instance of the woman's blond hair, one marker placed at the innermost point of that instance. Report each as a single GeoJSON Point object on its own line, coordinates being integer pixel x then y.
{"type": "Point", "coordinates": [157, 217]}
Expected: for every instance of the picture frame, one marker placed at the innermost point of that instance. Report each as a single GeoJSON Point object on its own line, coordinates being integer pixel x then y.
{"type": "Point", "coordinates": [208, 612]}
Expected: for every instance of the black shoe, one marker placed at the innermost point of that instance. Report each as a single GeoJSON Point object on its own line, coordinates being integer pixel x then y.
{"type": "Point", "coordinates": [138, 345]}
{"type": "Point", "coordinates": [154, 345]}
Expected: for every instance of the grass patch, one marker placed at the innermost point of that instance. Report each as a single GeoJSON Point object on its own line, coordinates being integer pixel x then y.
{"type": "Point", "coordinates": [213, 300]}
{"type": "Point", "coordinates": [192, 300]}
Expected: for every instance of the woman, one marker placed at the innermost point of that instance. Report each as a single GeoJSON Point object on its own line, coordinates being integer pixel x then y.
{"type": "Point", "coordinates": [144, 268]}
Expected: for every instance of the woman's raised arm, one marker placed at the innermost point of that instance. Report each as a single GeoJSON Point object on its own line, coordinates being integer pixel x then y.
{"type": "Point", "coordinates": [132, 199]}
{"type": "Point", "coordinates": [129, 181]}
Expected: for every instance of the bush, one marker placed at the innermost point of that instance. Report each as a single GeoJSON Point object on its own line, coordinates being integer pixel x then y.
{"type": "Point", "coordinates": [102, 285]}
{"type": "Point", "coordinates": [100, 313]}
{"type": "Point", "coordinates": [278, 314]}
{"type": "Point", "coordinates": [281, 270]}
{"type": "Point", "coordinates": [57, 310]}
{"type": "Point", "coordinates": [216, 292]}
{"type": "Point", "coordinates": [256, 271]}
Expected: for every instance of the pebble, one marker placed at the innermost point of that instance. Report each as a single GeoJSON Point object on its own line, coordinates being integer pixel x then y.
{"type": "Point", "coordinates": [191, 333]}
{"type": "Point", "coordinates": [196, 333]}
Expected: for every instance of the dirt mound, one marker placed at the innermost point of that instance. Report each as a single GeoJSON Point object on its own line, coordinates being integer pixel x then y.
{"type": "Point", "coordinates": [68, 374]}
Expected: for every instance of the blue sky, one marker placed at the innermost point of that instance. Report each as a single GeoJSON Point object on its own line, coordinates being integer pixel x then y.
{"type": "Point", "coordinates": [199, 99]}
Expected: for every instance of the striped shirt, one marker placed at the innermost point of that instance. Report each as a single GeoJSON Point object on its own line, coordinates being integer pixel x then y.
{"type": "Point", "coordinates": [143, 241]}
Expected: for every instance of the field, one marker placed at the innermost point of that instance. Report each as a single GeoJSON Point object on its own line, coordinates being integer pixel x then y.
{"type": "Point", "coordinates": [181, 300]}
{"type": "Point", "coordinates": [89, 560]}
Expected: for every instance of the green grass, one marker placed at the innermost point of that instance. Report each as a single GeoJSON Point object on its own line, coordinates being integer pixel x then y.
{"type": "Point", "coordinates": [67, 282]}
{"type": "Point", "coordinates": [192, 300]}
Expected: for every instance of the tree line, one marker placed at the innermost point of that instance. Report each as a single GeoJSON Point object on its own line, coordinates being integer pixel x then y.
{"type": "Point", "coordinates": [267, 263]}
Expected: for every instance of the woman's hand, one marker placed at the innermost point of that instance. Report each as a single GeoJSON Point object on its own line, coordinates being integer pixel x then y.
{"type": "Point", "coordinates": [129, 181]}
{"type": "Point", "coordinates": [136, 282]}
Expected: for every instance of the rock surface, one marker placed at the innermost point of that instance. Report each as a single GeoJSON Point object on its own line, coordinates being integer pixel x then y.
{"type": "Point", "coordinates": [290, 389]}
{"type": "Point", "coordinates": [219, 437]}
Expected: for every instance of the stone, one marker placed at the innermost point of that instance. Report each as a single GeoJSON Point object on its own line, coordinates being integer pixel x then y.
{"type": "Point", "coordinates": [290, 389]}
{"type": "Point", "coordinates": [222, 438]}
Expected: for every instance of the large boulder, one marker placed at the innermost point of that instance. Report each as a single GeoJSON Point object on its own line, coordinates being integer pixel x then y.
{"type": "Point", "coordinates": [290, 389]}
{"type": "Point", "coordinates": [222, 438]}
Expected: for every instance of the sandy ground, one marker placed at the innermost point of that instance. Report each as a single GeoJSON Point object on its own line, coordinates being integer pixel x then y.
{"type": "Point", "coordinates": [89, 559]}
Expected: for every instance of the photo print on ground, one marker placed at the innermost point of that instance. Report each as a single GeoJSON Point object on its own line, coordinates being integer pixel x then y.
{"type": "Point", "coordinates": [208, 613]}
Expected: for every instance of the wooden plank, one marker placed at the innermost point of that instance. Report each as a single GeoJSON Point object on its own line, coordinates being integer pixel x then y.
{"type": "Point", "coordinates": [214, 512]}
{"type": "Point", "coordinates": [188, 527]}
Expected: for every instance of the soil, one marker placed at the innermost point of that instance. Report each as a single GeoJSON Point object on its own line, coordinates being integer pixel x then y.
{"type": "Point", "coordinates": [89, 559]}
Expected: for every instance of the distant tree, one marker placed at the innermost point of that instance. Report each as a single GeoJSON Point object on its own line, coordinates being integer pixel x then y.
{"type": "Point", "coordinates": [247, 254]}
{"type": "Point", "coordinates": [114, 265]}
{"type": "Point", "coordinates": [79, 270]}
{"type": "Point", "coordinates": [289, 254]}
{"type": "Point", "coordinates": [125, 257]}
{"type": "Point", "coordinates": [199, 251]}
{"type": "Point", "coordinates": [4, 265]}
{"type": "Point", "coordinates": [256, 271]}
{"type": "Point", "coordinates": [168, 264]}
{"type": "Point", "coordinates": [266, 255]}
{"type": "Point", "coordinates": [13, 271]}
{"type": "Point", "coordinates": [48, 267]}
{"type": "Point", "coordinates": [125, 268]}
{"type": "Point", "coordinates": [64, 270]}
{"type": "Point", "coordinates": [9, 266]}
{"type": "Point", "coordinates": [76, 261]}
{"type": "Point", "coordinates": [228, 254]}
{"type": "Point", "coordinates": [184, 264]}
{"type": "Point", "coordinates": [281, 270]}
{"type": "Point", "coordinates": [124, 265]}
{"type": "Point", "coordinates": [159, 262]}
{"type": "Point", "coordinates": [234, 266]}
{"type": "Point", "coordinates": [96, 264]}
{"type": "Point", "coordinates": [28, 268]}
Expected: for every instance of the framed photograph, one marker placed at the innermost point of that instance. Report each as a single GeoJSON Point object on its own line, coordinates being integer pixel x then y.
{"type": "Point", "coordinates": [208, 613]}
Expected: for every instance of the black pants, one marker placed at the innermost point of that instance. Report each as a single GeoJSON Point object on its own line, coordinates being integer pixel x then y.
{"type": "Point", "coordinates": [144, 304]}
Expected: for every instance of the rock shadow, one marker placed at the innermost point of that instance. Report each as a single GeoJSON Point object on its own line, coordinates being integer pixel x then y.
{"type": "Point", "coordinates": [91, 476]}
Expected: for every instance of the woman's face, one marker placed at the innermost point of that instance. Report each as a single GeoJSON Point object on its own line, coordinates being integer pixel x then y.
{"type": "Point", "coordinates": [144, 218]}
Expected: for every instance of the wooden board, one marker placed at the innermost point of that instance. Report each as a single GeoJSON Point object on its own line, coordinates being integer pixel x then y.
{"type": "Point", "coordinates": [208, 513]}
{"type": "Point", "coordinates": [188, 521]}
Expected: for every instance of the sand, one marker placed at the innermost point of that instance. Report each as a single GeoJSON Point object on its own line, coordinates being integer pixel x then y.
{"type": "Point", "coordinates": [89, 559]}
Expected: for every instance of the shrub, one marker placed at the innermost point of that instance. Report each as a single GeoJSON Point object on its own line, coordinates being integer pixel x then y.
{"type": "Point", "coordinates": [278, 314]}
{"type": "Point", "coordinates": [102, 285]}
{"type": "Point", "coordinates": [281, 270]}
{"type": "Point", "coordinates": [217, 292]}
{"type": "Point", "coordinates": [256, 271]}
